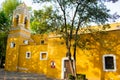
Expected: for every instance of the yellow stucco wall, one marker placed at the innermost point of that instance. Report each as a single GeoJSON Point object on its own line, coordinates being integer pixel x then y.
{"type": "Point", "coordinates": [55, 50]}
{"type": "Point", "coordinates": [11, 56]}
{"type": "Point", "coordinates": [89, 62]}
{"type": "Point", "coordinates": [33, 64]}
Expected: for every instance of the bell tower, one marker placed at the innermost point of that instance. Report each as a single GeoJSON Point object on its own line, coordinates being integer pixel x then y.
{"type": "Point", "coordinates": [21, 22]}
{"type": "Point", "coordinates": [21, 17]}
{"type": "Point", "coordinates": [19, 35]}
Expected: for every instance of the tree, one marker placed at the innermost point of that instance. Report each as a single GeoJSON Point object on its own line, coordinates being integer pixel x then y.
{"type": "Point", "coordinates": [44, 20]}
{"type": "Point", "coordinates": [3, 22]}
{"type": "Point", "coordinates": [3, 42]}
{"type": "Point", "coordinates": [84, 12]}
{"type": "Point", "coordinates": [8, 6]}
{"type": "Point", "coordinates": [4, 27]}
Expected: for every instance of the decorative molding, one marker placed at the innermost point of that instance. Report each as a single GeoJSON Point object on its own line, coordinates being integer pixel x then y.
{"type": "Point", "coordinates": [20, 27]}
{"type": "Point", "coordinates": [18, 34]}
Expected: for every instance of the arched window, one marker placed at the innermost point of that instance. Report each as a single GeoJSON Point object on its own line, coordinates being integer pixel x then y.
{"type": "Point", "coordinates": [17, 19]}
{"type": "Point", "coordinates": [28, 55]}
{"type": "Point", "coordinates": [25, 21]}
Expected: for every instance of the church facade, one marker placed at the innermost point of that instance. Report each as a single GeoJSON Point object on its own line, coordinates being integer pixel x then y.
{"type": "Point", "coordinates": [46, 53]}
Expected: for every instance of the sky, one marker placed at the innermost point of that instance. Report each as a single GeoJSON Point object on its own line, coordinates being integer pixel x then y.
{"type": "Point", "coordinates": [114, 7]}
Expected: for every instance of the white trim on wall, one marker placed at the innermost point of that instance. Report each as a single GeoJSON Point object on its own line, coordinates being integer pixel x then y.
{"type": "Point", "coordinates": [41, 55]}
{"type": "Point", "coordinates": [27, 56]}
{"type": "Point", "coordinates": [25, 41]}
{"type": "Point", "coordinates": [62, 68]}
{"type": "Point", "coordinates": [114, 58]}
{"type": "Point", "coordinates": [12, 45]}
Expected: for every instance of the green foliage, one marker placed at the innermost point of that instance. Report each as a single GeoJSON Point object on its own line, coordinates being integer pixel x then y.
{"type": "Point", "coordinates": [8, 6]}
{"type": "Point", "coordinates": [71, 77]}
{"type": "Point", "coordinates": [44, 21]}
{"type": "Point", "coordinates": [38, 1]}
{"type": "Point", "coordinates": [3, 22]}
{"type": "Point", "coordinates": [3, 41]}
{"type": "Point", "coordinates": [81, 77]}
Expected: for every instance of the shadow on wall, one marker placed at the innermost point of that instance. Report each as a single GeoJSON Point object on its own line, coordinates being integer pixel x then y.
{"type": "Point", "coordinates": [54, 71]}
{"type": "Point", "coordinates": [94, 46]}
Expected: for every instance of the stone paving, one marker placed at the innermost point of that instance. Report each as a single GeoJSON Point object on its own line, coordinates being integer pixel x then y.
{"type": "Point", "coordinates": [5, 75]}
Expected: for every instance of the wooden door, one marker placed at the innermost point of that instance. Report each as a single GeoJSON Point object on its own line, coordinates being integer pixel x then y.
{"type": "Point", "coordinates": [67, 70]}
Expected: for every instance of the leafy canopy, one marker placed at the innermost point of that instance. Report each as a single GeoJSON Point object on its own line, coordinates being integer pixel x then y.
{"type": "Point", "coordinates": [8, 6]}
{"type": "Point", "coordinates": [3, 22]}
{"type": "Point", "coordinates": [44, 20]}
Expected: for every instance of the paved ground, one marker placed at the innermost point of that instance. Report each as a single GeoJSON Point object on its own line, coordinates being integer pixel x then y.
{"type": "Point", "coordinates": [4, 75]}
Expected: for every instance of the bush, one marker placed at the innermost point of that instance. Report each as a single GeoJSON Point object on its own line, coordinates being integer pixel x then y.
{"type": "Point", "coordinates": [81, 77]}
{"type": "Point", "coordinates": [71, 77]}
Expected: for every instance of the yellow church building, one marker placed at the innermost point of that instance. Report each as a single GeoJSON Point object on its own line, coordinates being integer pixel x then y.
{"type": "Point", "coordinates": [46, 53]}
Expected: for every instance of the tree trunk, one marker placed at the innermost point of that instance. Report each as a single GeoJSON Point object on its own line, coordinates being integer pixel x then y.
{"type": "Point", "coordinates": [74, 62]}
{"type": "Point", "coordinates": [75, 46]}
{"type": "Point", "coordinates": [69, 57]}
